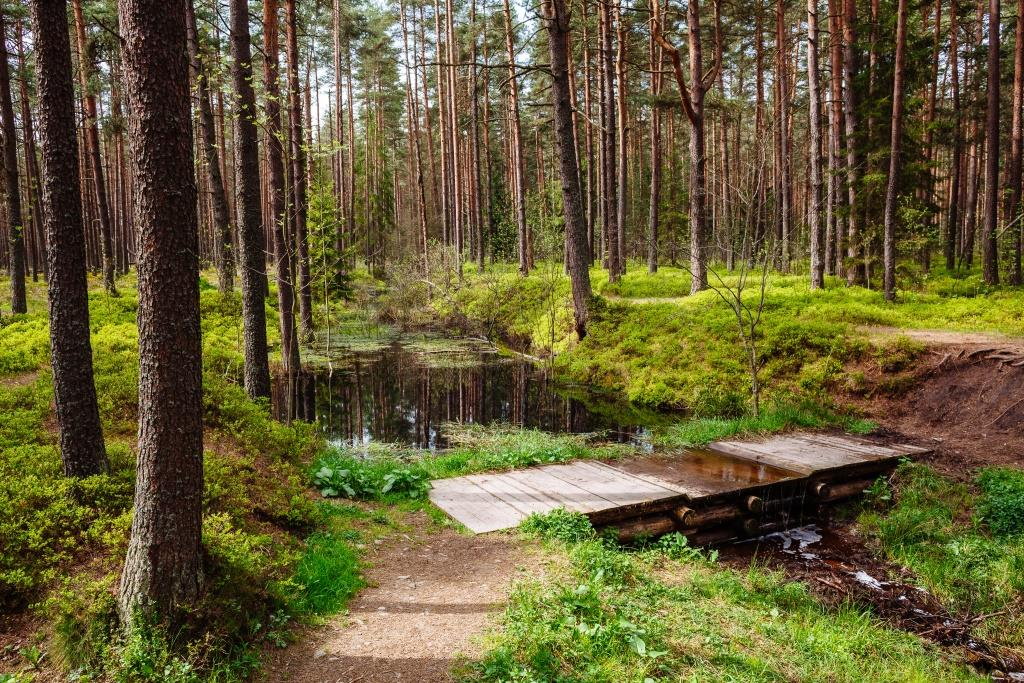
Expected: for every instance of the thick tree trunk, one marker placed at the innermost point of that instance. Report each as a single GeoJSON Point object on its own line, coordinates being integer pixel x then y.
{"type": "Point", "coordinates": [814, 151]}
{"type": "Point", "coordinates": [15, 221]}
{"type": "Point", "coordinates": [298, 174]}
{"type": "Point", "coordinates": [78, 417]}
{"type": "Point", "coordinates": [247, 207]}
{"type": "Point", "coordinates": [92, 132]}
{"type": "Point", "coordinates": [556, 15]}
{"type": "Point", "coordinates": [163, 564]}
{"type": "Point", "coordinates": [208, 142]}
{"type": "Point", "coordinates": [609, 151]}
{"type": "Point", "coordinates": [895, 141]}
{"type": "Point", "coordinates": [989, 244]}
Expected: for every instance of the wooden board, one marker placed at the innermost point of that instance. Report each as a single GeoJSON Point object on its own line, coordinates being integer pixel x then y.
{"type": "Point", "coordinates": [489, 502]}
{"type": "Point", "coordinates": [814, 453]}
{"type": "Point", "coordinates": [638, 486]}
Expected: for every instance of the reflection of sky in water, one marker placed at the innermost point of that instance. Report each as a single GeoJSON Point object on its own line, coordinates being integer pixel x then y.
{"type": "Point", "coordinates": [405, 391]}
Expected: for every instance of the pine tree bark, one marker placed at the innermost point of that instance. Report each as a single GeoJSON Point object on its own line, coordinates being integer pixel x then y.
{"type": "Point", "coordinates": [247, 207]}
{"type": "Point", "coordinates": [92, 133]}
{"type": "Point", "coordinates": [989, 244]}
{"type": "Point", "coordinates": [655, 58]}
{"type": "Point", "coordinates": [609, 151]}
{"type": "Point", "coordinates": [557, 21]}
{"type": "Point", "coordinates": [622, 119]}
{"type": "Point", "coordinates": [785, 182]}
{"type": "Point", "coordinates": [163, 563]}
{"type": "Point", "coordinates": [300, 207]}
{"type": "Point", "coordinates": [78, 418]}
{"type": "Point", "coordinates": [895, 142]}
{"type": "Point", "coordinates": [15, 221]}
{"type": "Point", "coordinates": [837, 227]}
{"type": "Point", "coordinates": [814, 151]}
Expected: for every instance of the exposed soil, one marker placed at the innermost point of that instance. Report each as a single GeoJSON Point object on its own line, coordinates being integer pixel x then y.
{"type": "Point", "coordinates": [432, 593]}
{"type": "Point", "coordinates": [964, 401]}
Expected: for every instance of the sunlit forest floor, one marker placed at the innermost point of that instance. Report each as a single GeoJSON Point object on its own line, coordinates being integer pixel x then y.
{"type": "Point", "coordinates": [285, 556]}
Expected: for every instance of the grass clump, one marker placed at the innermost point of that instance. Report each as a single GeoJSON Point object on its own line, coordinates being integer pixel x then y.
{"type": "Point", "coordinates": [940, 529]}
{"type": "Point", "coordinates": [560, 524]}
{"type": "Point", "coordinates": [778, 417]}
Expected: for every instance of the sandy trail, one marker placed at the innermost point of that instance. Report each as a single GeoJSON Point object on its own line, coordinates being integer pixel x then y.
{"type": "Point", "coordinates": [431, 594]}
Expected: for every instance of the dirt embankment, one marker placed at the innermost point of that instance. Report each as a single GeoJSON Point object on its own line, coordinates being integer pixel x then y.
{"type": "Point", "coordinates": [965, 400]}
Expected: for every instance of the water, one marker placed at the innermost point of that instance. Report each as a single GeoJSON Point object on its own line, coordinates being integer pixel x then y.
{"type": "Point", "coordinates": [403, 389]}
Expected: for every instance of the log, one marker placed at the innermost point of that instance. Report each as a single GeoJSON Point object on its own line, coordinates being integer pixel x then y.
{"type": "Point", "coordinates": [684, 516]}
{"type": "Point", "coordinates": [754, 504]}
{"type": "Point", "coordinates": [820, 489]}
{"type": "Point", "coordinates": [847, 489]}
{"type": "Point", "coordinates": [647, 527]}
{"type": "Point", "coordinates": [713, 536]}
{"type": "Point", "coordinates": [714, 516]}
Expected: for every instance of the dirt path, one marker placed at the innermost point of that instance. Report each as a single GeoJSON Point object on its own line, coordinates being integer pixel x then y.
{"type": "Point", "coordinates": [945, 337]}
{"type": "Point", "coordinates": [430, 595]}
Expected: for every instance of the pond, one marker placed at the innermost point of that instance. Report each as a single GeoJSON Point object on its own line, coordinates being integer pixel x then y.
{"type": "Point", "coordinates": [371, 384]}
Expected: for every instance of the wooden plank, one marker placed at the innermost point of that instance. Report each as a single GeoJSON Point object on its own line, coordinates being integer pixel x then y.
{"type": "Point", "coordinates": [502, 488]}
{"type": "Point", "coordinates": [864, 450]}
{"type": "Point", "coordinates": [742, 450]}
{"type": "Point", "coordinates": [568, 495]}
{"type": "Point", "coordinates": [477, 509]}
{"type": "Point", "coordinates": [609, 483]}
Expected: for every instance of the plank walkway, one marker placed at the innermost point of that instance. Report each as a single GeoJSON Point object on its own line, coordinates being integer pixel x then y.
{"type": "Point", "coordinates": [634, 487]}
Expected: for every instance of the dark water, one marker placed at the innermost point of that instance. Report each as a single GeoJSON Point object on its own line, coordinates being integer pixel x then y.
{"type": "Point", "coordinates": [405, 389]}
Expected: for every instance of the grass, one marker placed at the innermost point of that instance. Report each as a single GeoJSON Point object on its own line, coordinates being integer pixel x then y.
{"type": "Point", "coordinates": [668, 612]}
{"type": "Point", "coordinates": [684, 352]}
{"type": "Point", "coordinates": [272, 554]}
{"type": "Point", "coordinates": [964, 543]}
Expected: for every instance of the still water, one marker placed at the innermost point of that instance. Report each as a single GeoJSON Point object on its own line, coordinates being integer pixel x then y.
{"type": "Point", "coordinates": [397, 388]}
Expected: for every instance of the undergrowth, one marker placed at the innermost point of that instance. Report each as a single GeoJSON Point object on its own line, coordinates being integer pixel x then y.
{"type": "Point", "coordinates": [963, 542]}
{"type": "Point", "coordinates": [602, 613]}
{"type": "Point", "coordinates": [272, 554]}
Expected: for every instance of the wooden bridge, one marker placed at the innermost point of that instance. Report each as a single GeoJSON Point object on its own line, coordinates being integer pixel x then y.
{"type": "Point", "coordinates": [729, 490]}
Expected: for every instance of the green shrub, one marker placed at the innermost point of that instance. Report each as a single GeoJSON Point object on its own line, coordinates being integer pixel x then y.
{"type": "Point", "coordinates": [560, 524]}
{"type": "Point", "coordinates": [1001, 505]}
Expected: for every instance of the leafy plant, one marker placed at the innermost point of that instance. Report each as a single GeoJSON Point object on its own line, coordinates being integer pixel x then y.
{"type": "Point", "coordinates": [560, 524]}
{"type": "Point", "coordinates": [1001, 505]}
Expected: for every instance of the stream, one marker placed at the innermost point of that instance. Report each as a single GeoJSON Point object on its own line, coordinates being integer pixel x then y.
{"type": "Point", "coordinates": [364, 384]}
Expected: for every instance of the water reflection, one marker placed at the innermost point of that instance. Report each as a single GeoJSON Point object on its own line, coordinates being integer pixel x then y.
{"type": "Point", "coordinates": [398, 394]}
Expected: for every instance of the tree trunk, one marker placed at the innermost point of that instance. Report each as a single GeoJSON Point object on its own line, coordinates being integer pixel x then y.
{"type": "Point", "coordinates": [274, 145]}
{"type": "Point", "coordinates": [208, 134]}
{"type": "Point", "coordinates": [556, 15]}
{"type": "Point", "coordinates": [896, 138]}
{"type": "Point", "coordinates": [622, 119]}
{"type": "Point", "coordinates": [655, 57]}
{"type": "Point", "coordinates": [298, 174]}
{"type": "Point", "coordinates": [855, 267]}
{"type": "Point", "coordinates": [782, 122]}
{"type": "Point", "coordinates": [92, 132]}
{"type": "Point", "coordinates": [163, 563]}
{"type": "Point", "coordinates": [814, 151]}
{"type": "Point", "coordinates": [78, 417]}
{"type": "Point", "coordinates": [990, 246]}
{"type": "Point", "coordinates": [609, 152]}
{"type": "Point", "coordinates": [15, 222]}
{"type": "Point", "coordinates": [247, 207]}
{"type": "Point", "coordinates": [517, 161]}
{"type": "Point", "coordinates": [953, 216]}
{"type": "Point", "coordinates": [1014, 215]}
{"type": "Point", "coordinates": [836, 126]}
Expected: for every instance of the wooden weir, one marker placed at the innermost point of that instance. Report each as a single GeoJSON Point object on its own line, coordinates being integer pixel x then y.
{"type": "Point", "coordinates": [730, 489]}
